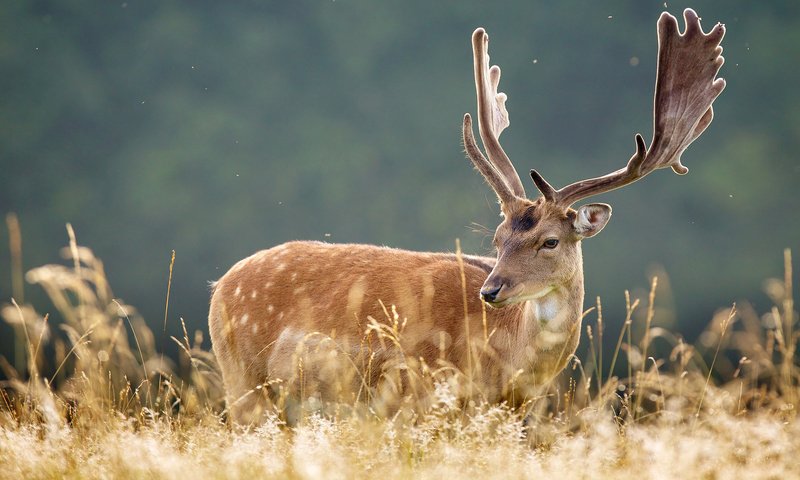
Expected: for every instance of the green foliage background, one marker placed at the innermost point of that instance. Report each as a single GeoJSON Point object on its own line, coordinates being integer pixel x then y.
{"type": "Point", "coordinates": [221, 128]}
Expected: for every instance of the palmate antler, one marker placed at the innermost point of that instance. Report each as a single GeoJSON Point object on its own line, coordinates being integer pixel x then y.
{"type": "Point", "coordinates": [686, 86]}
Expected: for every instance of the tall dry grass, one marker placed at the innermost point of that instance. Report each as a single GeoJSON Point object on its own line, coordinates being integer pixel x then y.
{"type": "Point", "coordinates": [95, 397]}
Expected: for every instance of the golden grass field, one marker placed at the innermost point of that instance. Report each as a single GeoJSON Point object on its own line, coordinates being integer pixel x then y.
{"type": "Point", "coordinates": [112, 406]}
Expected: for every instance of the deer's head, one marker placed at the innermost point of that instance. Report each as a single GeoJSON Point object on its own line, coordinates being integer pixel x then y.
{"type": "Point", "coordinates": [538, 241]}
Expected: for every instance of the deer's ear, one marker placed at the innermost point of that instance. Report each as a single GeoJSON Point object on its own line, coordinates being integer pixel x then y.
{"type": "Point", "coordinates": [590, 219]}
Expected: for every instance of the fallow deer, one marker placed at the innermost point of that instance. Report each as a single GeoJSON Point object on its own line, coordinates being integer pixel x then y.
{"type": "Point", "coordinates": [278, 302]}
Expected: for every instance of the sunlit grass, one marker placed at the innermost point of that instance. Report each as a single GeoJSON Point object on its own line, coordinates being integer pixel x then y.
{"type": "Point", "coordinates": [96, 398]}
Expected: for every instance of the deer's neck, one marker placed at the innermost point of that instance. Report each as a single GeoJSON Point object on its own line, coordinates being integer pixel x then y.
{"type": "Point", "coordinates": [559, 308]}
{"type": "Point", "coordinates": [552, 325]}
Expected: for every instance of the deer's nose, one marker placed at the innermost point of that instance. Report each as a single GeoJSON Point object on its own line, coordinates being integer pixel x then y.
{"type": "Point", "coordinates": [489, 294]}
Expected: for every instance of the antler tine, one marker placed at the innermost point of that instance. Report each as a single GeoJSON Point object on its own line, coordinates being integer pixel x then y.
{"type": "Point", "coordinates": [487, 169]}
{"type": "Point", "coordinates": [492, 113]}
{"type": "Point", "coordinates": [686, 86]}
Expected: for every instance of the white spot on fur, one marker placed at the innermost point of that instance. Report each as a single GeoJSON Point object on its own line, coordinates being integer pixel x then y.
{"type": "Point", "coordinates": [254, 328]}
{"type": "Point", "coordinates": [270, 308]}
{"type": "Point", "coordinates": [355, 297]}
{"type": "Point", "coordinates": [245, 318]}
{"type": "Point", "coordinates": [281, 267]}
{"type": "Point", "coordinates": [253, 294]}
{"type": "Point", "coordinates": [294, 276]}
{"type": "Point", "coordinates": [267, 285]}
{"type": "Point", "coordinates": [280, 315]}
{"type": "Point", "coordinates": [238, 290]}
{"type": "Point", "coordinates": [299, 290]}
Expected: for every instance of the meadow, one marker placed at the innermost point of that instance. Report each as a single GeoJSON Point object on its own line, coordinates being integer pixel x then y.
{"type": "Point", "coordinates": [98, 398]}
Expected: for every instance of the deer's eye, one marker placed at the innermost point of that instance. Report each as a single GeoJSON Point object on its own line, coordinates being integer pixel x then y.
{"type": "Point", "coordinates": [550, 243]}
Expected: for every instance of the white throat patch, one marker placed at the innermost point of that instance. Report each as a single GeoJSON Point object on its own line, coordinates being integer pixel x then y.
{"type": "Point", "coordinates": [551, 311]}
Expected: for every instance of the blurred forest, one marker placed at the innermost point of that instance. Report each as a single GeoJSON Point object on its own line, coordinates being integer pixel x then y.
{"type": "Point", "coordinates": [220, 128]}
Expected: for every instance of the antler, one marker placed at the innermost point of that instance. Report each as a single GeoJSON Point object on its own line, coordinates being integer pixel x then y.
{"type": "Point", "coordinates": [686, 86]}
{"type": "Point", "coordinates": [492, 120]}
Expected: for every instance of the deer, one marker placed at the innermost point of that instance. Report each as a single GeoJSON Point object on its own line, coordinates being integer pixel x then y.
{"type": "Point", "coordinates": [509, 320]}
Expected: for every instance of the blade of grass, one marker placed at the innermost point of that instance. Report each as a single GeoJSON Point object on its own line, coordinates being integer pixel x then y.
{"type": "Point", "coordinates": [725, 324]}
{"type": "Point", "coordinates": [17, 283]}
{"type": "Point", "coordinates": [646, 339]}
